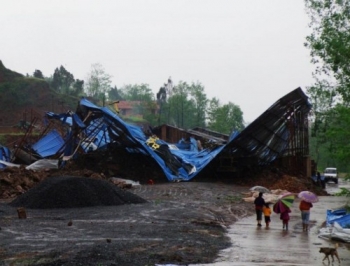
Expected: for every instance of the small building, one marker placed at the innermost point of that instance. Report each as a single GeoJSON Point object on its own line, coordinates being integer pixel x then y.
{"type": "Point", "coordinates": [134, 108]}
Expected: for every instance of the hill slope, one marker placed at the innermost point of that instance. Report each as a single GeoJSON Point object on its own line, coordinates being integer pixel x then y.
{"type": "Point", "coordinates": [22, 98]}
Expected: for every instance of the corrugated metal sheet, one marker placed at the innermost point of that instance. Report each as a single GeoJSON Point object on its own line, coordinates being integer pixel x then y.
{"type": "Point", "coordinates": [281, 130]}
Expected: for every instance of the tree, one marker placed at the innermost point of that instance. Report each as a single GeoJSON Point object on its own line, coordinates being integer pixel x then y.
{"type": "Point", "coordinates": [98, 82]}
{"type": "Point", "coordinates": [78, 87]}
{"type": "Point", "coordinates": [226, 118]}
{"type": "Point", "coordinates": [113, 94]}
{"type": "Point", "coordinates": [179, 108]}
{"type": "Point", "coordinates": [200, 101]}
{"type": "Point", "coordinates": [322, 97]}
{"type": "Point", "coordinates": [339, 132]}
{"type": "Point", "coordinates": [188, 107]}
{"type": "Point", "coordinates": [38, 74]}
{"type": "Point", "coordinates": [62, 80]}
{"type": "Point", "coordinates": [143, 96]}
{"type": "Point", "coordinates": [329, 45]}
{"type": "Point", "coordinates": [150, 112]}
{"type": "Point", "coordinates": [136, 92]}
{"type": "Point", "coordinates": [214, 105]}
{"type": "Point", "coordinates": [329, 42]}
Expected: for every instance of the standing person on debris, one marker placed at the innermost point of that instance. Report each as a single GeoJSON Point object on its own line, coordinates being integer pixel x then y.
{"type": "Point", "coordinates": [305, 207]}
{"type": "Point", "coordinates": [259, 204]}
{"type": "Point", "coordinates": [267, 213]}
{"type": "Point", "coordinates": [322, 182]}
{"type": "Point", "coordinates": [285, 218]}
{"type": "Point", "coordinates": [318, 179]}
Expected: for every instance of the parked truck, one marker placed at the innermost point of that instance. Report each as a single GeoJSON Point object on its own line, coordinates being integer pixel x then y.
{"type": "Point", "coordinates": [331, 174]}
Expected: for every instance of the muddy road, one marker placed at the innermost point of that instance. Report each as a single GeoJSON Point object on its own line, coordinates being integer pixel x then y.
{"type": "Point", "coordinates": [187, 223]}
{"type": "Point", "coordinates": [252, 245]}
{"type": "Point", "coordinates": [183, 223]}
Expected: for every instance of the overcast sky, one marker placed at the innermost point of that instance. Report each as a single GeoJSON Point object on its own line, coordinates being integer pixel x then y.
{"type": "Point", "coordinates": [246, 52]}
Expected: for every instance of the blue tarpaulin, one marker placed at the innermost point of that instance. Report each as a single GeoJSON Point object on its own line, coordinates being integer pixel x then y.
{"type": "Point", "coordinates": [261, 142]}
{"type": "Point", "coordinates": [49, 145]}
{"type": "Point", "coordinates": [5, 155]}
{"type": "Point", "coordinates": [177, 164]}
{"type": "Point", "coordinates": [340, 216]}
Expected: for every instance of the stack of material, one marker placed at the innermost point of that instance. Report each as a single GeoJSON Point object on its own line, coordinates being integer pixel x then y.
{"type": "Point", "coordinates": [14, 181]}
{"type": "Point", "coordinates": [73, 192]}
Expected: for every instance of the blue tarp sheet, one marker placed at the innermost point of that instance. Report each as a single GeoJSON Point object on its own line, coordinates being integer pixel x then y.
{"type": "Point", "coordinates": [5, 155]}
{"type": "Point", "coordinates": [177, 164]}
{"type": "Point", "coordinates": [179, 161]}
{"type": "Point", "coordinates": [49, 145]}
{"type": "Point", "coordinates": [264, 140]}
{"type": "Point", "coordinates": [340, 216]}
{"type": "Point", "coordinates": [190, 145]}
{"type": "Point", "coordinates": [67, 118]}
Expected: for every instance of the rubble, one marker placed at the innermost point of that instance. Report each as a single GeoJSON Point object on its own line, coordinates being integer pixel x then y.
{"type": "Point", "coordinates": [16, 181]}
{"type": "Point", "coordinates": [269, 197]}
{"type": "Point", "coordinates": [277, 179]}
{"type": "Point", "coordinates": [124, 150]}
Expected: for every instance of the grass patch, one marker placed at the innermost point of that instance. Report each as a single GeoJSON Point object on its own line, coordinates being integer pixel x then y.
{"type": "Point", "coordinates": [233, 199]}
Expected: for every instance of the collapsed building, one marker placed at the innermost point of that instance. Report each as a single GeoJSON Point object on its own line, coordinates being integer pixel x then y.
{"type": "Point", "coordinates": [278, 137]}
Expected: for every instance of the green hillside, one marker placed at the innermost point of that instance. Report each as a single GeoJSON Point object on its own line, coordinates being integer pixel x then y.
{"type": "Point", "coordinates": [21, 97]}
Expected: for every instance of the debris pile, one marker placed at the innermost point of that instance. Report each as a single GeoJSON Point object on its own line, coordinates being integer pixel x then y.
{"type": "Point", "coordinates": [74, 192]}
{"type": "Point", "coordinates": [14, 181]}
{"type": "Point", "coordinates": [293, 183]}
{"type": "Point", "coordinates": [282, 181]}
{"type": "Point", "coordinates": [270, 197]}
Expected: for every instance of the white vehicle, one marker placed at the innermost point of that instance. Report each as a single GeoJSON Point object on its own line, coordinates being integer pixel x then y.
{"type": "Point", "coordinates": [331, 174]}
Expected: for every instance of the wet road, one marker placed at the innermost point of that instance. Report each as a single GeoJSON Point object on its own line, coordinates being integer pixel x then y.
{"type": "Point", "coordinates": [273, 246]}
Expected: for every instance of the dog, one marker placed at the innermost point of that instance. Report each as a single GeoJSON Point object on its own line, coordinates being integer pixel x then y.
{"type": "Point", "coordinates": [330, 252]}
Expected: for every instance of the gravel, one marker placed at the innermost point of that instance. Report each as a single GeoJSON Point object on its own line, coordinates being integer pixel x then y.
{"type": "Point", "coordinates": [73, 192]}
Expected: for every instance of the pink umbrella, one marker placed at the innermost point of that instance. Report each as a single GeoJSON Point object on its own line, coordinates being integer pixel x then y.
{"type": "Point", "coordinates": [308, 196]}
{"type": "Point", "coordinates": [280, 207]}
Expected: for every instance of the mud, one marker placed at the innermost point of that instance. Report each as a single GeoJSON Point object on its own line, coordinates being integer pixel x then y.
{"type": "Point", "coordinates": [181, 223]}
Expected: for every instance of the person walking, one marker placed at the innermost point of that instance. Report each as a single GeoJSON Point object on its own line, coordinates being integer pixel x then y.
{"type": "Point", "coordinates": [259, 203]}
{"type": "Point", "coordinates": [305, 207]}
{"type": "Point", "coordinates": [267, 213]}
{"type": "Point", "coordinates": [285, 218]}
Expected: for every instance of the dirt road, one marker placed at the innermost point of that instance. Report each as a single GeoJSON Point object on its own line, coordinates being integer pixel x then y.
{"type": "Point", "coordinates": [182, 223]}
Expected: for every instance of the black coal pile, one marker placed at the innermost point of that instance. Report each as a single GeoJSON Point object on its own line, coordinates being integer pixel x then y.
{"type": "Point", "coordinates": [73, 192]}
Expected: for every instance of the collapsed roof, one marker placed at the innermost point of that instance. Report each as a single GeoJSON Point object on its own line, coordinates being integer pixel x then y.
{"type": "Point", "coordinates": [281, 130]}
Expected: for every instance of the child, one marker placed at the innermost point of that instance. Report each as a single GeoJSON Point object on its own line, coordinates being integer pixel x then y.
{"type": "Point", "coordinates": [285, 218]}
{"type": "Point", "coordinates": [267, 214]}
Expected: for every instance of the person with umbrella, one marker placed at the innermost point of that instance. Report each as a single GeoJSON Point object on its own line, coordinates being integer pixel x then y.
{"type": "Point", "coordinates": [307, 198]}
{"type": "Point", "coordinates": [259, 203]}
{"type": "Point", "coordinates": [282, 206]}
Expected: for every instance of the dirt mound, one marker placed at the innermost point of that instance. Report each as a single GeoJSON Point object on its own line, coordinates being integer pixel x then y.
{"type": "Point", "coordinates": [276, 179]}
{"type": "Point", "coordinates": [74, 192]}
